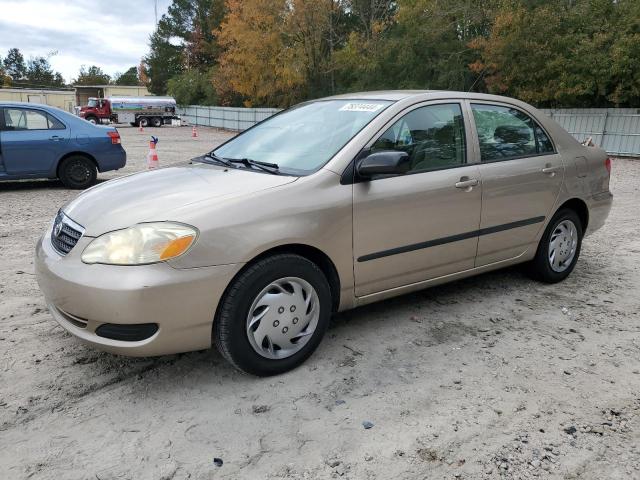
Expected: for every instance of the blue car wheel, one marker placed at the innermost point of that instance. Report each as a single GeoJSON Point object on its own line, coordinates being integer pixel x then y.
{"type": "Point", "coordinates": [77, 172]}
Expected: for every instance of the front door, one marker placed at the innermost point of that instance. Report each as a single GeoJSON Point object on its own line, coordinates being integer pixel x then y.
{"type": "Point", "coordinates": [421, 225]}
{"type": "Point", "coordinates": [32, 140]}
{"type": "Point", "coordinates": [521, 177]}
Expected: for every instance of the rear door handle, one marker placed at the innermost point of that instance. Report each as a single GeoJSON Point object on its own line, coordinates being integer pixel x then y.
{"type": "Point", "coordinates": [55, 138]}
{"type": "Point", "coordinates": [550, 170]}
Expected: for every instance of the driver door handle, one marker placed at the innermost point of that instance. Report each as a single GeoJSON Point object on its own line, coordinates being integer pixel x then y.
{"type": "Point", "coordinates": [467, 183]}
{"type": "Point", "coordinates": [55, 138]}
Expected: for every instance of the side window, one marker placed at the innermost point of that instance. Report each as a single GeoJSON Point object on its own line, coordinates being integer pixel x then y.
{"type": "Point", "coordinates": [23, 119]}
{"type": "Point", "coordinates": [433, 136]}
{"type": "Point", "coordinates": [54, 123]}
{"type": "Point", "coordinates": [544, 143]}
{"type": "Point", "coordinates": [506, 132]}
{"type": "Point", "coordinates": [15, 119]}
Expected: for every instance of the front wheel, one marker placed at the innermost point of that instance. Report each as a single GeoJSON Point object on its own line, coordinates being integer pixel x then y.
{"type": "Point", "coordinates": [559, 248]}
{"type": "Point", "coordinates": [273, 315]}
{"type": "Point", "coordinates": [77, 172]}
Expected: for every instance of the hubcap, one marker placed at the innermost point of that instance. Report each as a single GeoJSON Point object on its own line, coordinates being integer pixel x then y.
{"type": "Point", "coordinates": [562, 245]}
{"type": "Point", "coordinates": [283, 317]}
{"type": "Point", "coordinates": [79, 173]}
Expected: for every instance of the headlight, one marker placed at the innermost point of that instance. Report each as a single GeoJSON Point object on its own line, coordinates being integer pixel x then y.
{"type": "Point", "coordinates": [141, 244]}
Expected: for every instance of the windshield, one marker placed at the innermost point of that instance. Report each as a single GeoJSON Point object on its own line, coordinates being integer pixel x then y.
{"type": "Point", "coordinates": [92, 103]}
{"type": "Point", "coordinates": [303, 138]}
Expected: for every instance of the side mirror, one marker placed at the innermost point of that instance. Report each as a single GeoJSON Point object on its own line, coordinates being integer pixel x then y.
{"type": "Point", "coordinates": [387, 162]}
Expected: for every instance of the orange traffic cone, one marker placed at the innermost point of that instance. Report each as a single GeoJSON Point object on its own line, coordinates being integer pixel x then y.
{"type": "Point", "coordinates": [140, 128]}
{"type": "Point", "coordinates": [194, 132]}
{"type": "Point", "coordinates": [152, 156]}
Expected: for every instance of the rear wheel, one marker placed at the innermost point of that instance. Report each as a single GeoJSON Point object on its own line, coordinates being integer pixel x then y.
{"type": "Point", "coordinates": [143, 122]}
{"type": "Point", "coordinates": [156, 122]}
{"type": "Point", "coordinates": [77, 172]}
{"type": "Point", "coordinates": [273, 315]}
{"type": "Point", "coordinates": [559, 248]}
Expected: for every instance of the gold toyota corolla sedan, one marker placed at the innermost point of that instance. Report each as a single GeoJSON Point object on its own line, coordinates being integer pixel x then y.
{"type": "Point", "coordinates": [329, 205]}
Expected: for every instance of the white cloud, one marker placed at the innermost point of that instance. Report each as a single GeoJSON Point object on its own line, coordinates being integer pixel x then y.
{"type": "Point", "coordinates": [113, 35]}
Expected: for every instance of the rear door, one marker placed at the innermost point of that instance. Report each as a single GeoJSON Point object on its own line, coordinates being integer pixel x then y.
{"type": "Point", "coordinates": [521, 176]}
{"type": "Point", "coordinates": [421, 225]}
{"type": "Point", "coordinates": [32, 140]}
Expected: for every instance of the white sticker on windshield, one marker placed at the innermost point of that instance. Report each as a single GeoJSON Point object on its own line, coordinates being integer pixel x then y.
{"type": "Point", "coordinates": [361, 107]}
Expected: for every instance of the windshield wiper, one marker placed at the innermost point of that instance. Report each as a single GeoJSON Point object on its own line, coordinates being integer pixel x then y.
{"type": "Point", "coordinates": [266, 166]}
{"type": "Point", "coordinates": [216, 159]}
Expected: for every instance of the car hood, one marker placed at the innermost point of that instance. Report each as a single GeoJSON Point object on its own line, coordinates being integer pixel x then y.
{"type": "Point", "coordinates": [152, 196]}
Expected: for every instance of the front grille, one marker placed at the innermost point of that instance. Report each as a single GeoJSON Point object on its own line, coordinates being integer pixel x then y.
{"type": "Point", "coordinates": [65, 234]}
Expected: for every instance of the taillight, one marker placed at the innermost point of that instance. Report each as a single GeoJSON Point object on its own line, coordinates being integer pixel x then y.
{"type": "Point", "coordinates": [607, 165]}
{"type": "Point", "coordinates": [115, 137]}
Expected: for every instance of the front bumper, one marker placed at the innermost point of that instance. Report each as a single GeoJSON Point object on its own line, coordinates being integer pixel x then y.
{"type": "Point", "coordinates": [81, 298]}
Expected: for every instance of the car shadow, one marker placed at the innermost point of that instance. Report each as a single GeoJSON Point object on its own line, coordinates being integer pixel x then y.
{"type": "Point", "coordinates": [108, 369]}
{"type": "Point", "coordinates": [501, 281]}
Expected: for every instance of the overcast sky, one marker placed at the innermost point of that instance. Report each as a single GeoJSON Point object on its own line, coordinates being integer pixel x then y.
{"type": "Point", "coordinates": [113, 34]}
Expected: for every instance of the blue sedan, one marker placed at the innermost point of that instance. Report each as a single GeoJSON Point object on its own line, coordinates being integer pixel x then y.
{"type": "Point", "coordinates": [39, 141]}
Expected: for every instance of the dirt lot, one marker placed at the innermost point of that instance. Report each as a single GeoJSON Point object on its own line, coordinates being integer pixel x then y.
{"type": "Point", "coordinates": [491, 377]}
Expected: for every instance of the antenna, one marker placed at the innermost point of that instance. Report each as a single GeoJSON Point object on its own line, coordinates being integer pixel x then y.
{"type": "Point", "coordinates": [155, 10]}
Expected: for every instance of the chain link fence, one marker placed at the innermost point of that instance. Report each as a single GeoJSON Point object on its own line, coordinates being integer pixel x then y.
{"type": "Point", "coordinates": [617, 130]}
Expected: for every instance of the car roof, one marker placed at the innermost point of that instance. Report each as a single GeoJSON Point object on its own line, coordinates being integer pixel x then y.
{"type": "Point", "coordinates": [21, 104]}
{"type": "Point", "coordinates": [393, 95]}
{"type": "Point", "coordinates": [59, 113]}
{"type": "Point", "coordinates": [44, 106]}
{"type": "Point", "coordinates": [397, 95]}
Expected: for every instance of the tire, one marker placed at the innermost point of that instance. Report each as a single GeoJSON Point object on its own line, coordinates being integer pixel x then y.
{"type": "Point", "coordinates": [77, 172]}
{"type": "Point", "coordinates": [143, 122]}
{"type": "Point", "coordinates": [236, 339]}
{"type": "Point", "coordinates": [156, 122]}
{"type": "Point", "coordinates": [541, 267]}
{"type": "Point", "coordinates": [93, 120]}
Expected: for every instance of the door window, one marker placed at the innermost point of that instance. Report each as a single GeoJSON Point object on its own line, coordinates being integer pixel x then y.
{"type": "Point", "coordinates": [24, 119]}
{"type": "Point", "coordinates": [54, 123]}
{"type": "Point", "coordinates": [544, 142]}
{"type": "Point", "coordinates": [433, 136]}
{"type": "Point", "coordinates": [506, 133]}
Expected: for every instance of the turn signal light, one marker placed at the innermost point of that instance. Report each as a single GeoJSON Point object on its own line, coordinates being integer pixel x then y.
{"type": "Point", "coordinates": [176, 247]}
{"type": "Point", "coordinates": [607, 165]}
{"type": "Point", "coordinates": [115, 137]}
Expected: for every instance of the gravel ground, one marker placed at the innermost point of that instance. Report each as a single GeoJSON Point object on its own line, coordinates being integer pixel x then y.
{"type": "Point", "coordinates": [490, 377]}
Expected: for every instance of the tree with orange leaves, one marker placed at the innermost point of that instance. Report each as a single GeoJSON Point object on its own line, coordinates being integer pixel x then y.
{"type": "Point", "coordinates": [276, 52]}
